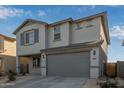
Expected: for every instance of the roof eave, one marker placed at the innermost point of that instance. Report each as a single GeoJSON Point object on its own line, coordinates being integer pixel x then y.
{"type": "Point", "coordinates": [8, 38]}
{"type": "Point", "coordinates": [28, 20]}
{"type": "Point", "coordinates": [62, 21]}
{"type": "Point", "coordinates": [82, 45]}
{"type": "Point", "coordinates": [105, 23]}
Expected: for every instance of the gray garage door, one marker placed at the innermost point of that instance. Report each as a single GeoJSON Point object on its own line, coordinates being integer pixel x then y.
{"type": "Point", "coordinates": [71, 64]}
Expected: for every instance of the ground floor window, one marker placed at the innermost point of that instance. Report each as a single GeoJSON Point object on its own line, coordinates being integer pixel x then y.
{"type": "Point", "coordinates": [36, 62]}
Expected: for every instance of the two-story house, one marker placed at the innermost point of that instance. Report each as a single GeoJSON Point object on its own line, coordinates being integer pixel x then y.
{"type": "Point", "coordinates": [7, 54]}
{"type": "Point", "coordinates": [73, 48]}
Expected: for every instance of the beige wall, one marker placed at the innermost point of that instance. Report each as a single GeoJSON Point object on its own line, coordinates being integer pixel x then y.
{"type": "Point", "coordinates": [9, 56]}
{"type": "Point", "coordinates": [35, 48]}
{"type": "Point", "coordinates": [104, 45]}
{"type": "Point", "coordinates": [9, 48]}
{"type": "Point", "coordinates": [86, 34]}
{"type": "Point", "coordinates": [68, 36]}
{"type": "Point", "coordinates": [64, 28]}
{"type": "Point", "coordinates": [24, 61]}
{"type": "Point", "coordinates": [77, 36]}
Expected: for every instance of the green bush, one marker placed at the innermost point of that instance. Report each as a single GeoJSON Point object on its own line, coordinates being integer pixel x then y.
{"type": "Point", "coordinates": [23, 73]}
{"type": "Point", "coordinates": [11, 76]}
{"type": "Point", "coordinates": [108, 84]}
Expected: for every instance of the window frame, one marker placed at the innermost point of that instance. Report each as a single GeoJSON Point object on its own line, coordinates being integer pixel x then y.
{"type": "Point", "coordinates": [36, 63]}
{"type": "Point", "coordinates": [78, 26]}
{"type": "Point", "coordinates": [31, 37]}
{"type": "Point", "coordinates": [27, 37]}
{"type": "Point", "coordinates": [27, 33]}
{"type": "Point", "coordinates": [89, 25]}
{"type": "Point", "coordinates": [57, 31]}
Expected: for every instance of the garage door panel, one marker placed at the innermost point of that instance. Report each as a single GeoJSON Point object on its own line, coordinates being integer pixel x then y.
{"type": "Point", "coordinates": [71, 64]}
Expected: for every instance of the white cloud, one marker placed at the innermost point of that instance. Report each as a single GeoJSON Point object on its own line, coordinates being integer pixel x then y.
{"type": "Point", "coordinates": [112, 61]}
{"type": "Point", "coordinates": [113, 5]}
{"type": "Point", "coordinates": [93, 6]}
{"type": "Point", "coordinates": [117, 31]}
{"type": "Point", "coordinates": [41, 13]}
{"type": "Point", "coordinates": [28, 13]}
{"type": "Point", "coordinates": [7, 12]}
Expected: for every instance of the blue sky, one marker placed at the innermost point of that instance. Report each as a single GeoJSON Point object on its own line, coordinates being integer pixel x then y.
{"type": "Point", "coordinates": [13, 16]}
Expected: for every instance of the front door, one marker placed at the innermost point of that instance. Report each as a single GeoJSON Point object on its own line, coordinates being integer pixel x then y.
{"type": "Point", "coordinates": [35, 66]}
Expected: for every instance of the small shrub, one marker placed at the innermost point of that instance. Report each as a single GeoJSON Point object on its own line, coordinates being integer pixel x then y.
{"type": "Point", "coordinates": [11, 77]}
{"type": "Point", "coordinates": [14, 73]}
{"type": "Point", "coordinates": [23, 73]}
{"type": "Point", "coordinates": [108, 84]}
{"type": "Point", "coordinates": [1, 74]}
{"type": "Point", "coordinates": [10, 71]}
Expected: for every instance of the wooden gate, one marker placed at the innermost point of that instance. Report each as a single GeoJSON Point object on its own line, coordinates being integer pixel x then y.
{"type": "Point", "coordinates": [111, 69]}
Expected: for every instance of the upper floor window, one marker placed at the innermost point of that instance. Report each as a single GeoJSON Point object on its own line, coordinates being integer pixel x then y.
{"type": "Point", "coordinates": [30, 37]}
{"type": "Point", "coordinates": [78, 26]}
{"type": "Point", "coordinates": [88, 26]}
{"type": "Point", "coordinates": [57, 33]}
{"type": "Point", "coordinates": [1, 45]}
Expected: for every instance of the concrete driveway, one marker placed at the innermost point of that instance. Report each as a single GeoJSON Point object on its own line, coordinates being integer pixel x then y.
{"type": "Point", "coordinates": [47, 82]}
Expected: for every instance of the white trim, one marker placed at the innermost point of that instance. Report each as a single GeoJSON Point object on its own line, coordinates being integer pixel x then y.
{"type": "Point", "coordinates": [43, 64]}
{"type": "Point", "coordinates": [94, 63]}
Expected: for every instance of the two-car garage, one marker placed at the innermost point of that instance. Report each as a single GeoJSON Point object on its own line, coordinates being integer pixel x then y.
{"type": "Point", "coordinates": [69, 64]}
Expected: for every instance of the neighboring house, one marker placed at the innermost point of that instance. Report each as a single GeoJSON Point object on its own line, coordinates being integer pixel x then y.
{"type": "Point", "coordinates": [73, 48]}
{"type": "Point", "coordinates": [7, 54]}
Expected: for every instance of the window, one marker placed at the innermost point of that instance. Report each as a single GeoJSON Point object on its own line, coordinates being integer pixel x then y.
{"type": "Point", "coordinates": [30, 37]}
{"type": "Point", "coordinates": [1, 45]}
{"type": "Point", "coordinates": [36, 62]}
{"type": "Point", "coordinates": [88, 26]}
{"type": "Point", "coordinates": [57, 33]}
{"type": "Point", "coordinates": [94, 52]}
{"type": "Point", "coordinates": [78, 26]}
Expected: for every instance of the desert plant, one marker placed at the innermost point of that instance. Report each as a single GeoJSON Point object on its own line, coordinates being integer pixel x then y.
{"type": "Point", "coordinates": [108, 84]}
{"type": "Point", "coordinates": [11, 76]}
{"type": "Point", "coordinates": [23, 73]}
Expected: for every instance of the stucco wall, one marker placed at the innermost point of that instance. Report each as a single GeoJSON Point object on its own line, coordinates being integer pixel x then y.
{"type": "Point", "coordinates": [64, 28]}
{"type": "Point", "coordinates": [9, 48]}
{"type": "Point", "coordinates": [86, 34]}
{"type": "Point", "coordinates": [9, 56]}
{"type": "Point", "coordinates": [103, 51]}
{"type": "Point", "coordinates": [104, 45]}
{"type": "Point", "coordinates": [35, 48]}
